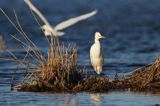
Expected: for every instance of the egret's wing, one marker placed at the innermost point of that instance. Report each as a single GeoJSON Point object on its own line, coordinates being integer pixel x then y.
{"type": "Point", "coordinates": [91, 55]}
{"type": "Point", "coordinates": [72, 21]}
{"type": "Point", "coordinates": [102, 55]}
{"type": "Point", "coordinates": [35, 10]}
{"type": "Point", "coordinates": [50, 31]}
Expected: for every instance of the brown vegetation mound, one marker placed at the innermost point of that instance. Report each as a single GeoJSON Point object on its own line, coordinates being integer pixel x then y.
{"type": "Point", "coordinates": [93, 84]}
{"type": "Point", "coordinates": [147, 78]}
{"type": "Point", "coordinates": [59, 73]}
{"type": "Point", "coordinates": [142, 79]}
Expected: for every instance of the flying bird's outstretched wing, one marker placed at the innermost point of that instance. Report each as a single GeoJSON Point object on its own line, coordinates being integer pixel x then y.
{"type": "Point", "coordinates": [48, 29]}
{"type": "Point", "coordinates": [73, 21]}
{"type": "Point", "coordinates": [35, 10]}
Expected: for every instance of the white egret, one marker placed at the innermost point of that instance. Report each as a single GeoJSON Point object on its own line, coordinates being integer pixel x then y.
{"type": "Point", "coordinates": [56, 31]}
{"type": "Point", "coordinates": [96, 54]}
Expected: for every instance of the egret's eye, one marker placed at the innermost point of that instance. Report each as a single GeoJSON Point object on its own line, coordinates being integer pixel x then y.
{"type": "Point", "coordinates": [99, 35]}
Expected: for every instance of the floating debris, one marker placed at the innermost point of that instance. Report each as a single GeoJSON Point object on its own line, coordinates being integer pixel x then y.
{"type": "Point", "coordinates": [2, 44]}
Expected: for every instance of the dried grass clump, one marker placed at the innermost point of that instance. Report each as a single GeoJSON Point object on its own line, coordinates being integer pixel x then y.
{"type": "Point", "coordinates": [93, 84]}
{"type": "Point", "coordinates": [147, 78]}
{"type": "Point", "coordinates": [59, 73]}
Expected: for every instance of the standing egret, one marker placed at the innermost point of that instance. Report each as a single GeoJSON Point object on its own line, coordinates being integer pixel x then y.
{"type": "Point", "coordinates": [96, 54]}
{"type": "Point", "coordinates": [49, 30]}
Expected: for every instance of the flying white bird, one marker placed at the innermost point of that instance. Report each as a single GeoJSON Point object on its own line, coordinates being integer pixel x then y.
{"type": "Point", "coordinates": [96, 54]}
{"type": "Point", "coordinates": [56, 31]}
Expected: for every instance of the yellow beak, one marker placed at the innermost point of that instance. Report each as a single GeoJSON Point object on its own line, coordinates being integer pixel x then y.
{"type": "Point", "coordinates": [102, 37]}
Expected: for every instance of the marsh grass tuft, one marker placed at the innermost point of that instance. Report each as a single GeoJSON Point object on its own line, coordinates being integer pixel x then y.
{"type": "Point", "coordinates": [93, 84]}
{"type": "Point", "coordinates": [59, 73]}
{"type": "Point", "coordinates": [145, 78]}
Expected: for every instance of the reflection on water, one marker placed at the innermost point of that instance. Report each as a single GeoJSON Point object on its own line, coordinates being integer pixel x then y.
{"type": "Point", "coordinates": [79, 99]}
{"type": "Point", "coordinates": [66, 100]}
{"type": "Point", "coordinates": [96, 99]}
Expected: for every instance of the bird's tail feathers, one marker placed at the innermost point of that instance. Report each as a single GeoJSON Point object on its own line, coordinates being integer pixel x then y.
{"type": "Point", "coordinates": [60, 33]}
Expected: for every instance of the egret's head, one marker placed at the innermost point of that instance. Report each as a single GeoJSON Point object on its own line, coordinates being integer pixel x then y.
{"type": "Point", "coordinates": [99, 36]}
{"type": "Point", "coordinates": [46, 30]}
{"type": "Point", "coordinates": [44, 27]}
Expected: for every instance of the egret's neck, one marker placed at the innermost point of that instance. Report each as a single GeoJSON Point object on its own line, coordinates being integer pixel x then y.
{"type": "Point", "coordinates": [97, 41]}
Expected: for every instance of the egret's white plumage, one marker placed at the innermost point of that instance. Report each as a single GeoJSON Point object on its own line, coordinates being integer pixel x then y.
{"type": "Point", "coordinates": [56, 31]}
{"type": "Point", "coordinates": [48, 30]}
{"type": "Point", "coordinates": [96, 54]}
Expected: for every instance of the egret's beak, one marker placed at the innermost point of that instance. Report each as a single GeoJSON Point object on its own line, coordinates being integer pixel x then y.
{"type": "Point", "coordinates": [102, 37]}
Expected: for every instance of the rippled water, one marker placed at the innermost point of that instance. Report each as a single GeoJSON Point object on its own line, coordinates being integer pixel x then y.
{"type": "Point", "coordinates": [132, 29]}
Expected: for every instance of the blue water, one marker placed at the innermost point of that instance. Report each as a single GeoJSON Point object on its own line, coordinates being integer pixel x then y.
{"type": "Point", "coordinates": [131, 27]}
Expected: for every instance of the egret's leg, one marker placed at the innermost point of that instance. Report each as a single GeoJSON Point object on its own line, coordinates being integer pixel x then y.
{"type": "Point", "coordinates": [99, 75]}
{"type": "Point", "coordinates": [96, 69]}
{"type": "Point", "coordinates": [99, 71]}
